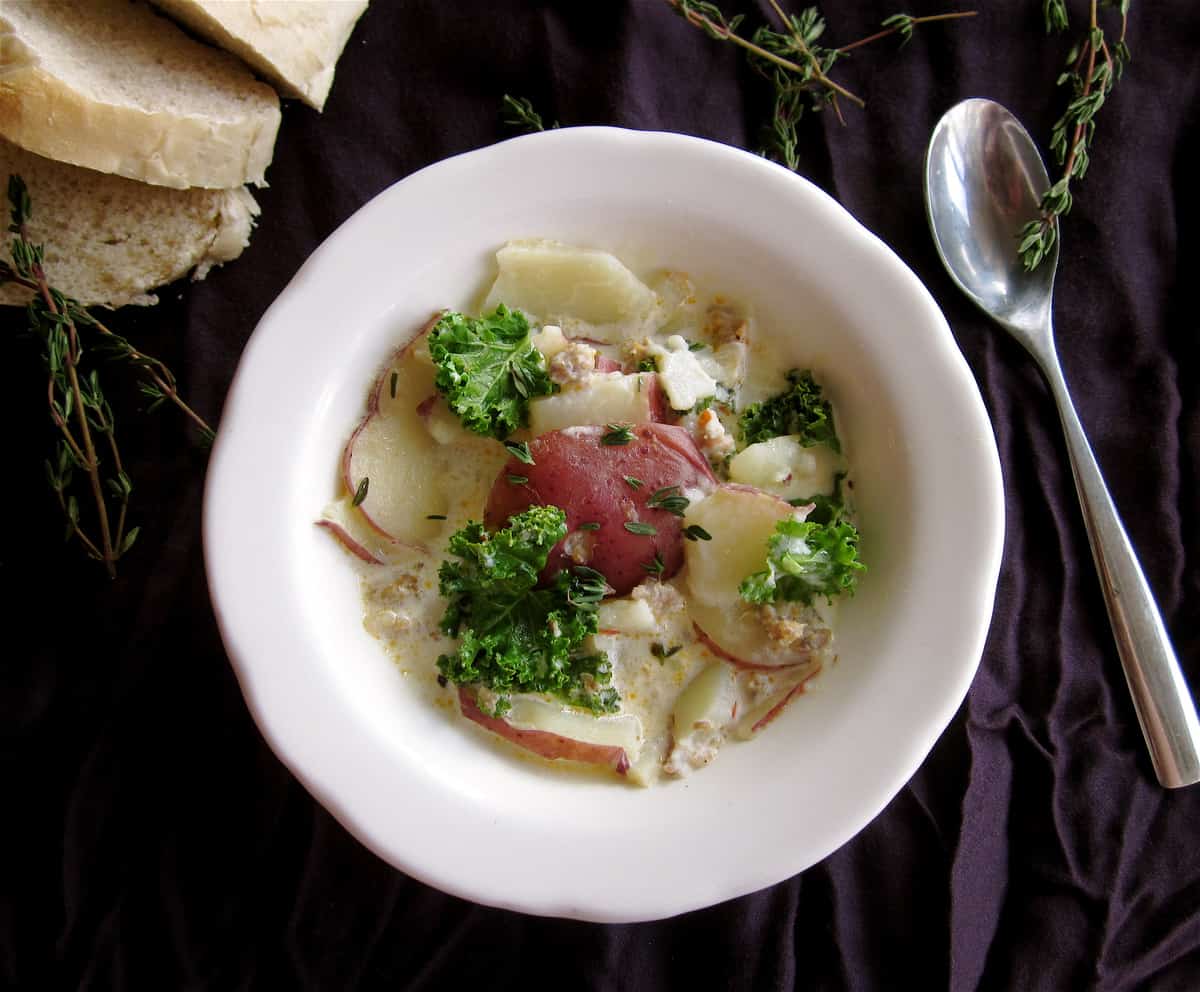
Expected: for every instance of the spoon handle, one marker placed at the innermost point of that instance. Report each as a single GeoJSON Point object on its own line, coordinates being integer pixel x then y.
{"type": "Point", "coordinates": [1160, 694]}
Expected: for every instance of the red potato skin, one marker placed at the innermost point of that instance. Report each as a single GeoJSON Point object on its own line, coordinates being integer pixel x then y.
{"type": "Point", "coordinates": [733, 659]}
{"type": "Point", "coordinates": [573, 470]}
{"type": "Point", "coordinates": [425, 407]}
{"type": "Point", "coordinates": [660, 409]}
{"type": "Point", "coordinates": [351, 545]}
{"type": "Point", "coordinates": [543, 743]}
{"type": "Point", "coordinates": [780, 706]}
{"type": "Point", "coordinates": [742, 663]}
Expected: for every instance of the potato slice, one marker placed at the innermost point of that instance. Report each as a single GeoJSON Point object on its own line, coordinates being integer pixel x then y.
{"type": "Point", "coordinates": [602, 398]}
{"type": "Point", "coordinates": [628, 534]}
{"type": "Point", "coordinates": [535, 713]}
{"type": "Point", "coordinates": [347, 525]}
{"type": "Point", "coordinates": [392, 449]}
{"type": "Point", "coordinates": [737, 633]}
{"type": "Point", "coordinates": [707, 701]}
{"type": "Point", "coordinates": [761, 715]}
{"type": "Point", "coordinates": [555, 745]}
{"type": "Point", "coordinates": [785, 467]}
{"type": "Point", "coordinates": [740, 520]}
{"type": "Point", "coordinates": [703, 711]}
{"type": "Point", "coordinates": [552, 280]}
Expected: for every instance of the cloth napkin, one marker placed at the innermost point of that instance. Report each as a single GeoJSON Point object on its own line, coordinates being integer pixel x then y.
{"type": "Point", "coordinates": [151, 840]}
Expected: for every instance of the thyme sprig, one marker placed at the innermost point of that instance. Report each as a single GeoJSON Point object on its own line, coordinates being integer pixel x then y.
{"type": "Point", "coordinates": [1093, 68]}
{"type": "Point", "coordinates": [81, 414]}
{"type": "Point", "coordinates": [795, 63]}
{"type": "Point", "coordinates": [518, 112]}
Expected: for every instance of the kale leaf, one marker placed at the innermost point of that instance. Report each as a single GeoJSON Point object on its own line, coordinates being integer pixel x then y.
{"type": "Point", "coordinates": [516, 637]}
{"type": "Point", "coordinates": [806, 559]}
{"type": "Point", "coordinates": [488, 369]}
{"type": "Point", "coordinates": [825, 510]}
{"type": "Point", "coordinates": [801, 410]}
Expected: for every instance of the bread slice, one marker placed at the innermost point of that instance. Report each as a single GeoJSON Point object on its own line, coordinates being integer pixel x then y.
{"type": "Point", "coordinates": [293, 43]}
{"type": "Point", "coordinates": [110, 240]}
{"type": "Point", "coordinates": [115, 87]}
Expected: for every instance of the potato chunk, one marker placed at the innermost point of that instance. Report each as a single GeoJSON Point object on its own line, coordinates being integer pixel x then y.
{"type": "Point", "coordinates": [787, 468]}
{"type": "Point", "coordinates": [553, 280]}
{"type": "Point", "coordinates": [392, 450]}
{"type": "Point", "coordinates": [601, 398]}
{"type": "Point", "coordinates": [607, 489]}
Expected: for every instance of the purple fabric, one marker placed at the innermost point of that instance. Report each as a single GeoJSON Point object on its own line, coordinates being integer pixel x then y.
{"type": "Point", "coordinates": [150, 839]}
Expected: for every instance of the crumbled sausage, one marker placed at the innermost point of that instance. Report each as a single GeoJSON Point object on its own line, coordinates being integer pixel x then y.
{"type": "Point", "coordinates": [573, 364]}
{"type": "Point", "coordinates": [791, 634]}
{"type": "Point", "coordinates": [662, 598]}
{"type": "Point", "coordinates": [711, 436]}
{"type": "Point", "coordinates": [723, 324]}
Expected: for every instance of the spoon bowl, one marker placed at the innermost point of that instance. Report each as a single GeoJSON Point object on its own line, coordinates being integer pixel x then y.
{"type": "Point", "coordinates": [984, 181]}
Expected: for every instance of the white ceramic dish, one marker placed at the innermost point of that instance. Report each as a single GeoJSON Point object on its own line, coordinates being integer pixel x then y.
{"type": "Point", "coordinates": [430, 793]}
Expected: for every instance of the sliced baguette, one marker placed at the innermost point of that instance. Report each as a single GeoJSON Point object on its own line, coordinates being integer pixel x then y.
{"type": "Point", "coordinates": [109, 241]}
{"type": "Point", "coordinates": [293, 43]}
{"type": "Point", "coordinates": [112, 86]}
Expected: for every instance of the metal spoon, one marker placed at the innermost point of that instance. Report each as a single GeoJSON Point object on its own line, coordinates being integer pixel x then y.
{"type": "Point", "coordinates": [984, 180]}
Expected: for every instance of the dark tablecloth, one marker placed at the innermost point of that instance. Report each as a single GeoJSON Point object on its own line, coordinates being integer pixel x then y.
{"type": "Point", "coordinates": [150, 840]}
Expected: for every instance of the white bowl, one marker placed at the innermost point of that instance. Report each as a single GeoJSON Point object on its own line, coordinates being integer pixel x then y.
{"type": "Point", "coordinates": [427, 792]}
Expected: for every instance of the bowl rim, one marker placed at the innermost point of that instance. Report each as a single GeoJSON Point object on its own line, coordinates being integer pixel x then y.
{"type": "Point", "coordinates": [347, 797]}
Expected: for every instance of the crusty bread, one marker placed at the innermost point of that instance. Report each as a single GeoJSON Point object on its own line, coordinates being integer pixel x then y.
{"type": "Point", "coordinates": [293, 43]}
{"type": "Point", "coordinates": [115, 87]}
{"type": "Point", "coordinates": [110, 240]}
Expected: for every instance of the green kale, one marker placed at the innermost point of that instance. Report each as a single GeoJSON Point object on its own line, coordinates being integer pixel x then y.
{"type": "Point", "coordinates": [488, 369]}
{"type": "Point", "coordinates": [825, 510]}
{"type": "Point", "coordinates": [516, 637]}
{"type": "Point", "coordinates": [799, 410]}
{"type": "Point", "coordinates": [806, 560]}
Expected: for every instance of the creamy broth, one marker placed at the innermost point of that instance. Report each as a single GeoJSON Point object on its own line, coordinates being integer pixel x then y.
{"type": "Point", "coordinates": [680, 648]}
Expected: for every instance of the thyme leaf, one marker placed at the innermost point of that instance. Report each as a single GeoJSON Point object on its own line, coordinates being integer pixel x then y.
{"type": "Point", "coordinates": [1093, 68]}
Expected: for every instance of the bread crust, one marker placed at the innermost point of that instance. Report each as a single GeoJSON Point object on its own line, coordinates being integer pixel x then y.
{"type": "Point", "coordinates": [110, 241]}
{"type": "Point", "coordinates": [296, 45]}
{"type": "Point", "coordinates": [45, 115]}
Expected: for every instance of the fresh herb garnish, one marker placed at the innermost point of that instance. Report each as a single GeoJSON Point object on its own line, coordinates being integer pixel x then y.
{"type": "Point", "coordinates": [696, 533]}
{"type": "Point", "coordinates": [435, 516]}
{"type": "Point", "coordinates": [617, 434]}
{"type": "Point", "coordinates": [80, 411]}
{"type": "Point", "coordinates": [637, 527]}
{"type": "Point", "coordinates": [655, 566]}
{"type": "Point", "coordinates": [662, 653]}
{"type": "Point", "coordinates": [361, 492]}
{"type": "Point", "coordinates": [796, 65]}
{"type": "Point", "coordinates": [518, 112]}
{"type": "Point", "coordinates": [800, 410]}
{"type": "Point", "coordinates": [634, 484]}
{"type": "Point", "coordinates": [1092, 70]}
{"type": "Point", "coordinates": [488, 369]}
{"type": "Point", "coordinates": [515, 636]}
{"type": "Point", "coordinates": [520, 451]}
{"type": "Point", "coordinates": [806, 560]}
{"type": "Point", "coordinates": [518, 480]}
{"type": "Point", "coordinates": [647, 365]}
{"type": "Point", "coordinates": [392, 384]}
{"type": "Point", "coordinates": [669, 499]}
{"type": "Point", "coordinates": [696, 346]}
{"type": "Point", "coordinates": [590, 525]}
